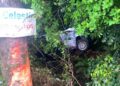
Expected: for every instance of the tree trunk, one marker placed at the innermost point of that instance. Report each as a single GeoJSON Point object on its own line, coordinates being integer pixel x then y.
{"type": "Point", "coordinates": [12, 3]}
{"type": "Point", "coordinates": [14, 55]}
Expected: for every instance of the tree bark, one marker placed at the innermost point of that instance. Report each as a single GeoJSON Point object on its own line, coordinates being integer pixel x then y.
{"type": "Point", "coordinates": [13, 3]}
{"type": "Point", "coordinates": [14, 55]}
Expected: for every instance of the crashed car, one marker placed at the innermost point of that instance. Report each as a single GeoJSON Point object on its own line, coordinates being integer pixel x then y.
{"type": "Point", "coordinates": [73, 41]}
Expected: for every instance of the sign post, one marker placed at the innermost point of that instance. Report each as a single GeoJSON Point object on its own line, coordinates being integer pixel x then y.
{"type": "Point", "coordinates": [15, 26]}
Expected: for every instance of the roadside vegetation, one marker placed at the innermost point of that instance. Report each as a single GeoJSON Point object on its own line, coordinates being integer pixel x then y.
{"type": "Point", "coordinates": [98, 19]}
{"type": "Point", "coordinates": [53, 64]}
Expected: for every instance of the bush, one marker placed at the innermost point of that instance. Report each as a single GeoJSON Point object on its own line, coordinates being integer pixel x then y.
{"type": "Point", "coordinates": [104, 72]}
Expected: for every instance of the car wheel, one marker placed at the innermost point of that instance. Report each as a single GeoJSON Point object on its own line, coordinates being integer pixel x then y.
{"type": "Point", "coordinates": [82, 44]}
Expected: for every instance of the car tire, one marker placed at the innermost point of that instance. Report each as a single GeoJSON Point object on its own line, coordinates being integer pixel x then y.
{"type": "Point", "coordinates": [82, 44]}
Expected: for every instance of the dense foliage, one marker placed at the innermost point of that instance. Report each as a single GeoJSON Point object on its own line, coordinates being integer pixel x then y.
{"type": "Point", "coordinates": [99, 19]}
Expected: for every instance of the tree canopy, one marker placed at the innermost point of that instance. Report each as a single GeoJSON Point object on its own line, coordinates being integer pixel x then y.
{"type": "Point", "coordinates": [99, 19]}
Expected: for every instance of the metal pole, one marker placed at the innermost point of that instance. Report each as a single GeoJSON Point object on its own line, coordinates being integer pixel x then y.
{"type": "Point", "coordinates": [14, 55]}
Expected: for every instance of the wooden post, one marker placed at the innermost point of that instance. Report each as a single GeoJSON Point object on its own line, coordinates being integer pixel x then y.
{"type": "Point", "coordinates": [14, 55]}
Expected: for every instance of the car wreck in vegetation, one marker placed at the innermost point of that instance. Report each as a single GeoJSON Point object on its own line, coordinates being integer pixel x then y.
{"type": "Point", "coordinates": [91, 59]}
{"type": "Point", "coordinates": [73, 41]}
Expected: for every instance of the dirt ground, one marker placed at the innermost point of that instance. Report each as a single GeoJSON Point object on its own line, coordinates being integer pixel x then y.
{"type": "Point", "coordinates": [43, 77]}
